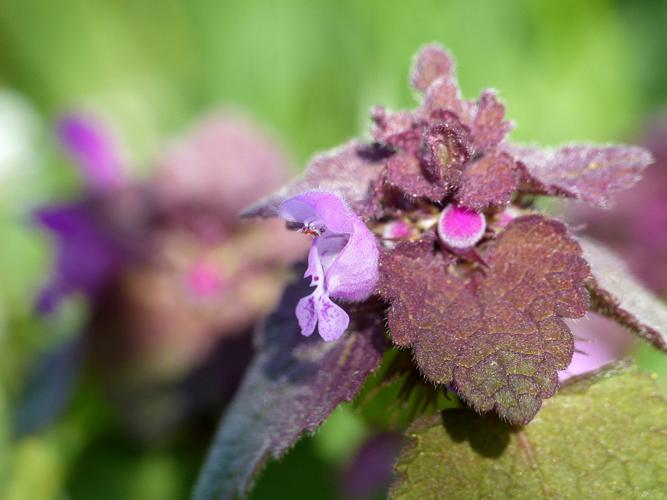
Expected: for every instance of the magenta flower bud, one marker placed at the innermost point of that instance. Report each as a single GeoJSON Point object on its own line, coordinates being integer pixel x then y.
{"type": "Point", "coordinates": [460, 228]}
{"type": "Point", "coordinates": [342, 262]}
{"type": "Point", "coordinates": [396, 230]}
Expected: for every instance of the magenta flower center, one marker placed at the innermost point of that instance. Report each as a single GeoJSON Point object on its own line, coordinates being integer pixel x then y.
{"type": "Point", "coordinates": [460, 227]}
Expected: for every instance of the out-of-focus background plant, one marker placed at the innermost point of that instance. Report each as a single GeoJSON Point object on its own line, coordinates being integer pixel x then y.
{"type": "Point", "coordinates": [308, 72]}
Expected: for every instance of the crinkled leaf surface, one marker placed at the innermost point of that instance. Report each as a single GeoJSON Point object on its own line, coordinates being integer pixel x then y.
{"type": "Point", "coordinates": [490, 180]}
{"type": "Point", "coordinates": [586, 172]}
{"type": "Point", "coordinates": [616, 293]}
{"type": "Point", "coordinates": [606, 439]}
{"type": "Point", "coordinates": [344, 170]}
{"type": "Point", "coordinates": [406, 173]}
{"type": "Point", "coordinates": [497, 336]}
{"type": "Point", "coordinates": [291, 387]}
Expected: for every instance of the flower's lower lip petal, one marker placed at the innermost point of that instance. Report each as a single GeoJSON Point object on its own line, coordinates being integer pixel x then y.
{"type": "Point", "coordinates": [307, 315]}
{"type": "Point", "coordinates": [333, 320]}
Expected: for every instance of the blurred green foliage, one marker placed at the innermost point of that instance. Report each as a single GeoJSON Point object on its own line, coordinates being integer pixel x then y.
{"type": "Point", "coordinates": [308, 69]}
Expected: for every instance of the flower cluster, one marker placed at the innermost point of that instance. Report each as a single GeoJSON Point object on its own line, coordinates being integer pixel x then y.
{"type": "Point", "coordinates": [173, 278]}
{"type": "Point", "coordinates": [478, 284]}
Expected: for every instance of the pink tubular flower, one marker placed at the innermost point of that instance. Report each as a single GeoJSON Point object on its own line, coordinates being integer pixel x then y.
{"type": "Point", "coordinates": [342, 263]}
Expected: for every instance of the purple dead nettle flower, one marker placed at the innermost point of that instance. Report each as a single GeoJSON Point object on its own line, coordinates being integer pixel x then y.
{"type": "Point", "coordinates": [342, 262]}
{"type": "Point", "coordinates": [87, 255]}
{"type": "Point", "coordinates": [478, 284]}
{"type": "Point", "coordinates": [434, 228]}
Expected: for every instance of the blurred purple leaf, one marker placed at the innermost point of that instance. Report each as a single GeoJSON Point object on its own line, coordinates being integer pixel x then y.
{"type": "Point", "coordinates": [49, 387]}
{"type": "Point", "coordinates": [586, 172]}
{"type": "Point", "coordinates": [617, 294]}
{"type": "Point", "coordinates": [291, 387]}
{"type": "Point", "coordinates": [370, 471]}
{"type": "Point", "coordinates": [635, 227]}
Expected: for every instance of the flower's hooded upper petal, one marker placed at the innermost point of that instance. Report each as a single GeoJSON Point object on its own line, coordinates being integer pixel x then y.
{"type": "Point", "coordinates": [319, 207]}
{"type": "Point", "coordinates": [346, 248]}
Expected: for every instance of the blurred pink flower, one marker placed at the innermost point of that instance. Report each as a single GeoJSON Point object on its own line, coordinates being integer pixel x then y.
{"type": "Point", "coordinates": [171, 272]}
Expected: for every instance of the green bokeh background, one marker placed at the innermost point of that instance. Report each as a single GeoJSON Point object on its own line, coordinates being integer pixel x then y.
{"type": "Point", "coordinates": [309, 70]}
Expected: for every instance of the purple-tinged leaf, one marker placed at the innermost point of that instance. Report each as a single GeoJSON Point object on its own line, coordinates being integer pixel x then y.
{"type": "Point", "coordinates": [369, 473]}
{"type": "Point", "coordinates": [343, 171]}
{"type": "Point", "coordinates": [489, 126]}
{"type": "Point", "coordinates": [498, 337]}
{"type": "Point", "coordinates": [397, 130]}
{"type": "Point", "coordinates": [490, 180]}
{"type": "Point", "coordinates": [291, 387]}
{"type": "Point", "coordinates": [617, 294]}
{"type": "Point", "coordinates": [405, 172]}
{"type": "Point", "coordinates": [430, 63]}
{"type": "Point", "coordinates": [586, 172]}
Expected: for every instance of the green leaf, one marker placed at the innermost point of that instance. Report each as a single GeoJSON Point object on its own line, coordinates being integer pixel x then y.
{"type": "Point", "coordinates": [601, 438]}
